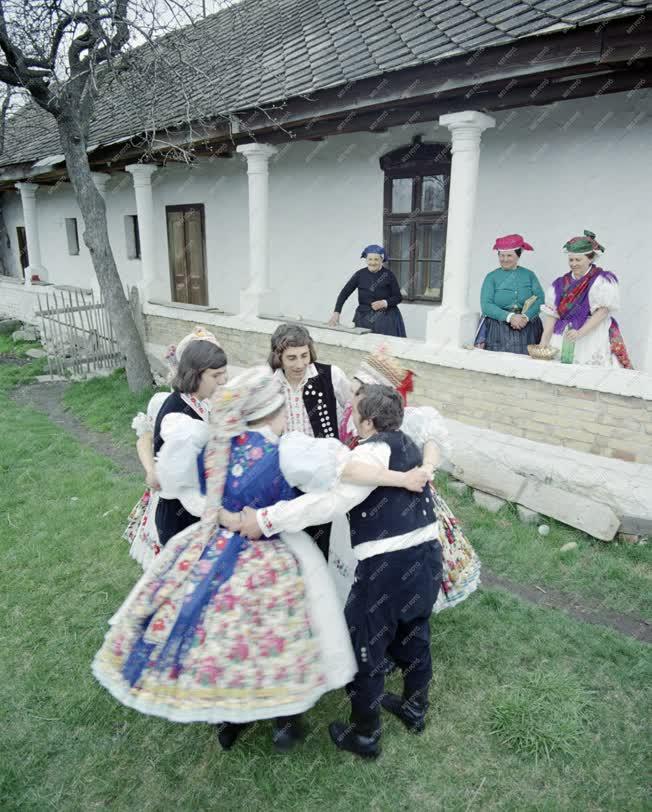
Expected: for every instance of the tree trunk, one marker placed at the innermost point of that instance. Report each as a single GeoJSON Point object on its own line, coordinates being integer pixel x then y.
{"type": "Point", "coordinates": [96, 237]}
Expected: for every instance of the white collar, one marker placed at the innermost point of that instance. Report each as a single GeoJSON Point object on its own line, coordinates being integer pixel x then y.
{"type": "Point", "coordinates": [311, 372]}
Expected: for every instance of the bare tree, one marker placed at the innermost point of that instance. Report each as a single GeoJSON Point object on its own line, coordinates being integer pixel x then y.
{"type": "Point", "coordinates": [65, 54]}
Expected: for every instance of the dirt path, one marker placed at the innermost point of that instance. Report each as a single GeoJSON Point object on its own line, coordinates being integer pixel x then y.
{"type": "Point", "coordinates": [48, 398]}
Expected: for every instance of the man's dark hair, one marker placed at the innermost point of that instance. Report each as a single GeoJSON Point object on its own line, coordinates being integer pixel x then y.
{"type": "Point", "coordinates": [286, 336]}
{"type": "Point", "coordinates": [382, 405]}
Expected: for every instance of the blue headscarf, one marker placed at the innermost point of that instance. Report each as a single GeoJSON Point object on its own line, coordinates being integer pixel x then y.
{"type": "Point", "coordinates": [373, 249]}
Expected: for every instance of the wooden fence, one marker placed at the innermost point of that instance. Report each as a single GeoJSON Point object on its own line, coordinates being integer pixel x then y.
{"type": "Point", "coordinates": [76, 332]}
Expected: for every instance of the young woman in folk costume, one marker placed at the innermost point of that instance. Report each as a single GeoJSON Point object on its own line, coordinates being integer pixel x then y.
{"type": "Point", "coordinates": [225, 630]}
{"type": "Point", "coordinates": [141, 532]}
{"type": "Point", "coordinates": [315, 394]}
{"type": "Point", "coordinates": [422, 424]}
{"type": "Point", "coordinates": [583, 301]}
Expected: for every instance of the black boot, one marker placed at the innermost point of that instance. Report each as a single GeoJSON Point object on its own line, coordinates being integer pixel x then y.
{"type": "Point", "coordinates": [228, 732]}
{"type": "Point", "coordinates": [287, 732]}
{"type": "Point", "coordinates": [348, 736]}
{"type": "Point", "coordinates": [412, 712]}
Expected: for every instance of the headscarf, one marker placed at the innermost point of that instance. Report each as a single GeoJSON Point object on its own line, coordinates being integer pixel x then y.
{"type": "Point", "coordinates": [373, 249]}
{"type": "Point", "coordinates": [250, 396]}
{"type": "Point", "coordinates": [583, 245]}
{"type": "Point", "coordinates": [511, 242]}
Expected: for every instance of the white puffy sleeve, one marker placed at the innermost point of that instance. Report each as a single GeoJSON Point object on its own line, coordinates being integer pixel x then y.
{"type": "Point", "coordinates": [423, 424]}
{"type": "Point", "coordinates": [548, 308]}
{"type": "Point", "coordinates": [341, 386]}
{"type": "Point", "coordinates": [311, 463]}
{"type": "Point", "coordinates": [144, 421]}
{"type": "Point", "coordinates": [604, 293]}
{"type": "Point", "coordinates": [176, 464]}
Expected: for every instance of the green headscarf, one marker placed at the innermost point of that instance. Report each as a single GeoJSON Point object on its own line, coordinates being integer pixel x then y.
{"type": "Point", "coordinates": [583, 245]}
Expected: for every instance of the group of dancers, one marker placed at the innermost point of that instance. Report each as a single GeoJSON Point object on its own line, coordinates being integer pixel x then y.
{"type": "Point", "coordinates": [240, 614]}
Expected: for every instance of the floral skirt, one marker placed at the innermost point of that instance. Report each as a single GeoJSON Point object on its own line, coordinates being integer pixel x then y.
{"type": "Point", "coordinates": [461, 564]}
{"type": "Point", "coordinates": [141, 529]}
{"type": "Point", "coordinates": [225, 631]}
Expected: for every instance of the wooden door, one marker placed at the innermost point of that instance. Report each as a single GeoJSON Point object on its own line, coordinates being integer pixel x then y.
{"type": "Point", "coordinates": [187, 253]}
{"type": "Point", "coordinates": [22, 248]}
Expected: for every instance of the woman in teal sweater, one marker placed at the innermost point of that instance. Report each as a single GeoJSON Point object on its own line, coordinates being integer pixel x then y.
{"type": "Point", "coordinates": [511, 297]}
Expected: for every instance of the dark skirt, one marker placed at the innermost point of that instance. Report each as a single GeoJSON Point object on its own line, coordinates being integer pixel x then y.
{"type": "Point", "coordinates": [384, 322]}
{"type": "Point", "coordinates": [500, 337]}
{"type": "Point", "coordinates": [171, 518]}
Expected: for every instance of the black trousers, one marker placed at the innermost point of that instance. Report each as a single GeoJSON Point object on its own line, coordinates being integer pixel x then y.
{"type": "Point", "coordinates": [321, 535]}
{"type": "Point", "coordinates": [171, 518]}
{"type": "Point", "coordinates": [388, 613]}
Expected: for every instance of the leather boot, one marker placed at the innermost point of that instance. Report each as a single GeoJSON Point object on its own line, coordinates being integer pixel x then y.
{"type": "Point", "coordinates": [412, 712]}
{"type": "Point", "coordinates": [228, 732]}
{"type": "Point", "coordinates": [287, 732]}
{"type": "Point", "coordinates": [349, 736]}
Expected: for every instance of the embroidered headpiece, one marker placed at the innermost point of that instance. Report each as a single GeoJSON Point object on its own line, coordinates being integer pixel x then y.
{"type": "Point", "coordinates": [382, 368]}
{"type": "Point", "coordinates": [583, 245]}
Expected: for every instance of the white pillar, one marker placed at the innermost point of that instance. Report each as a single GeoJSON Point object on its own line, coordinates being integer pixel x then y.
{"type": "Point", "coordinates": [257, 298]}
{"type": "Point", "coordinates": [142, 175]}
{"type": "Point", "coordinates": [30, 216]}
{"type": "Point", "coordinates": [454, 322]}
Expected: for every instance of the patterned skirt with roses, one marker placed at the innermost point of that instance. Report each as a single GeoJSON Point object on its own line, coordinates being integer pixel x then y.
{"type": "Point", "coordinates": [215, 632]}
{"type": "Point", "coordinates": [141, 530]}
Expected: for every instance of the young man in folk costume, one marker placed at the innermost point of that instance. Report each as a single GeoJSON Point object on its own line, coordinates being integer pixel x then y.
{"type": "Point", "coordinates": [315, 394]}
{"type": "Point", "coordinates": [394, 536]}
{"type": "Point", "coordinates": [423, 424]}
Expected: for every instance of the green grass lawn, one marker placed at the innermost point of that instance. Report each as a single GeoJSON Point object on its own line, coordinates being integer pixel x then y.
{"type": "Point", "coordinates": [530, 709]}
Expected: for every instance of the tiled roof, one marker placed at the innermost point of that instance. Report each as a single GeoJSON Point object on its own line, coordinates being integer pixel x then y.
{"type": "Point", "coordinates": [259, 52]}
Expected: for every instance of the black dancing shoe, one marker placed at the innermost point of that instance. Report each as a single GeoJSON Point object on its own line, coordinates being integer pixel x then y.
{"type": "Point", "coordinates": [345, 737]}
{"type": "Point", "coordinates": [412, 712]}
{"type": "Point", "coordinates": [287, 733]}
{"type": "Point", "coordinates": [228, 732]}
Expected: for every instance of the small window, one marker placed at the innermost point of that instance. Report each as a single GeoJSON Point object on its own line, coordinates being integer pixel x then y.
{"type": "Point", "coordinates": [417, 179]}
{"type": "Point", "coordinates": [73, 236]}
{"type": "Point", "coordinates": [132, 236]}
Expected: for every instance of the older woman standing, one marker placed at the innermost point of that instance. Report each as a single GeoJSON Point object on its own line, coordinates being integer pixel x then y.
{"type": "Point", "coordinates": [511, 297]}
{"type": "Point", "coordinates": [579, 304]}
{"type": "Point", "coordinates": [379, 295]}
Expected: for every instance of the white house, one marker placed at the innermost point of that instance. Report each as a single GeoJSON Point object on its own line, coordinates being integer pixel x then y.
{"type": "Point", "coordinates": [522, 117]}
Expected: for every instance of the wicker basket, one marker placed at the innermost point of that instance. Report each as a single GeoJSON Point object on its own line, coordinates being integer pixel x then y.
{"type": "Point", "coordinates": [542, 353]}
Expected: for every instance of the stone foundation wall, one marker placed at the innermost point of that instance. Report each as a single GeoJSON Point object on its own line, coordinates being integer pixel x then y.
{"type": "Point", "coordinates": [18, 301]}
{"type": "Point", "coordinates": [583, 419]}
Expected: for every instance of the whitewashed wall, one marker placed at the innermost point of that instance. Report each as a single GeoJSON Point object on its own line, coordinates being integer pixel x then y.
{"type": "Point", "coordinates": [547, 173]}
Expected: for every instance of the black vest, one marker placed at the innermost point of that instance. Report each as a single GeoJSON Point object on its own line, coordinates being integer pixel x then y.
{"type": "Point", "coordinates": [389, 512]}
{"type": "Point", "coordinates": [320, 402]}
{"type": "Point", "coordinates": [173, 403]}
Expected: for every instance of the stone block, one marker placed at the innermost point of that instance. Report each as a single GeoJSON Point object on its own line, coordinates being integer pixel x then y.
{"type": "Point", "coordinates": [487, 501]}
{"type": "Point", "coordinates": [487, 474]}
{"type": "Point", "coordinates": [26, 334]}
{"type": "Point", "coordinates": [594, 518]}
{"type": "Point", "coordinates": [36, 354]}
{"type": "Point", "coordinates": [458, 487]}
{"type": "Point", "coordinates": [571, 545]}
{"type": "Point", "coordinates": [527, 516]}
{"type": "Point", "coordinates": [8, 326]}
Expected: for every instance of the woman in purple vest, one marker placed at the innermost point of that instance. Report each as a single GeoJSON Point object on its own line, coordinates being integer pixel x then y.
{"type": "Point", "coordinates": [315, 394]}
